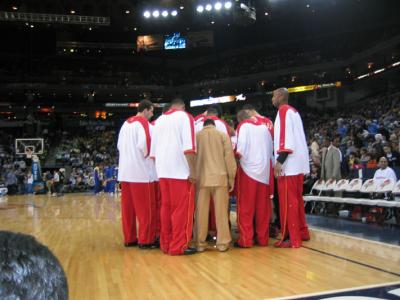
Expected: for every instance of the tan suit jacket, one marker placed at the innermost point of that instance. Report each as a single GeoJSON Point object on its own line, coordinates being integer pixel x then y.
{"type": "Point", "coordinates": [216, 165]}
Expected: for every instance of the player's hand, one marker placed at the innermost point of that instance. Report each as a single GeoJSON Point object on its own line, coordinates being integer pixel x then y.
{"type": "Point", "coordinates": [192, 178]}
{"type": "Point", "coordinates": [231, 188]}
{"type": "Point", "coordinates": [278, 170]}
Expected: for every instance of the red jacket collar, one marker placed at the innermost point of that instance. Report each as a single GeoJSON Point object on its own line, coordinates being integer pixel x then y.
{"type": "Point", "coordinates": [172, 110]}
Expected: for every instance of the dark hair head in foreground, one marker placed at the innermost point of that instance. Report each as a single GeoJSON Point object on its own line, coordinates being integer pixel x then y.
{"type": "Point", "coordinates": [209, 122]}
{"type": "Point", "coordinates": [29, 270]}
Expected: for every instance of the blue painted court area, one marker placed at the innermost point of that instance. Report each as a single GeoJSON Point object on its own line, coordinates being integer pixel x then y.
{"type": "Point", "coordinates": [386, 234]}
{"type": "Point", "coordinates": [390, 291]}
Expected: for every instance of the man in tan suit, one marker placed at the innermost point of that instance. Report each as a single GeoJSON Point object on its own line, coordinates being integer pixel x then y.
{"type": "Point", "coordinates": [331, 161]}
{"type": "Point", "coordinates": [216, 169]}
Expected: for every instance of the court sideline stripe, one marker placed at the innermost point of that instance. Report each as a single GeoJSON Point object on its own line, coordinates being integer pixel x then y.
{"type": "Point", "coordinates": [352, 261]}
{"type": "Point", "coordinates": [337, 291]}
{"type": "Point", "coordinates": [339, 234]}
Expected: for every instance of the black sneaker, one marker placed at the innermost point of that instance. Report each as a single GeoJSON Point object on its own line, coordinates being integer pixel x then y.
{"type": "Point", "coordinates": [236, 245]}
{"type": "Point", "coordinates": [147, 246]}
{"type": "Point", "coordinates": [190, 251]}
{"type": "Point", "coordinates": [133, 244]}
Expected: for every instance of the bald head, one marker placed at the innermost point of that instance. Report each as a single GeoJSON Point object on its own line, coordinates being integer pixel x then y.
{"type": "Point", "coordinates": [383, 163]}
{"type": "Point", "coordinates": [280, 97]}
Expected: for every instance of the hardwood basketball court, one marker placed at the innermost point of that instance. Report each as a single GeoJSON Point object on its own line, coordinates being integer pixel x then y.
{"type": "Point", "coordinates": [84, 232]}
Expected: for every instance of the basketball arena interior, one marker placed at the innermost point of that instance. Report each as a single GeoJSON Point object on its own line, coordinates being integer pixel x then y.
{"type": "Point", "coordinates": [200, 149]}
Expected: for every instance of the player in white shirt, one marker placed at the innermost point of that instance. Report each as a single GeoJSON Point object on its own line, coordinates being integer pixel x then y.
{"type": "Point", "coordinates": [156, 181]}
{"type": "Point", "coordinates": [174, 147]}
{"type": "Point", "coordinates": [291, 164]}
{"type": "Point", "coordinates": [384, 172]}
{"type": "Point", "coordinates": [254, 149]}
{"type": "Point", "coordinates": [253, 113]}
{"type": "Point", "coordinates": [134, 173]}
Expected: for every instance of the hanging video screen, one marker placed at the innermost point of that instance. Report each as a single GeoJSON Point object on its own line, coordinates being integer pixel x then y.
{"type": "Point", "coordinates": [174, 41]}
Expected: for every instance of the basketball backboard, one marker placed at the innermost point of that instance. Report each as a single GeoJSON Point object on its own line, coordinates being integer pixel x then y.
{"type": "Point", "coordinates": [32, 146]}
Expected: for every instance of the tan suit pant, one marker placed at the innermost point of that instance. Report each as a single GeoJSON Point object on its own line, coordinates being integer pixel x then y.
{"type": "Point", "coordinates": [221, 202]}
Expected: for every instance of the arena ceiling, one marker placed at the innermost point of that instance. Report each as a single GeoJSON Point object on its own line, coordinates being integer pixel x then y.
{"type": "Point", "coordinates": [126, 15]}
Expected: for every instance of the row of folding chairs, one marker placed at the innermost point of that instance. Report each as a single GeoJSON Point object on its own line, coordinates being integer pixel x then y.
{"type": "Point", "coordinates": [356, 185]}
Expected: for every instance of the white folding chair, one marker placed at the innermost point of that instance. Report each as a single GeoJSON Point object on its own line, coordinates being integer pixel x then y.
{"type": "Point", "coordinates": [330, 185]}
{"type": "Point", "coordinates": [385, 186]}
{"type": "Point", "coordinates": [369, 186]}
{"type": "Point", "coordinates": [354, 185]}
{"type": "Point", "coordinates": [341, 185]}
{"type": "Point", "coordinates": [318, 186]}
{"type": "Point", "coordinates": [396, 191]}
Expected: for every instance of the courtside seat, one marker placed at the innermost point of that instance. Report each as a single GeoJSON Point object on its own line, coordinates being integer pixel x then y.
{"type": "Point", "coordinates": [341, 185]}
{"type": "Point", "coordinates": [396, 188]}
{"type": "Point", "coordinates": [354, 185]}
{"type": "Point", "coordinates": [319, 186]}
{"type": "Point", "coordinates": [369, 186]}
{"type": "Point", "coordinates": [330, 185]}
{"type": "Point", "coordinates": [386, 186]}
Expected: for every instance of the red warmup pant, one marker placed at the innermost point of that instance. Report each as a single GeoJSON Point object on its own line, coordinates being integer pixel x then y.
{"type": "Point", "coordinates": [177, 210]}
{"type": "Point", "coordinates": [253, 201]}
{"type": "Point", "coordinates": [291, 204]}
{"type": "Point", "coordinates": [137, 201]}
{"type": "Point", "coordinates": [157, 195]}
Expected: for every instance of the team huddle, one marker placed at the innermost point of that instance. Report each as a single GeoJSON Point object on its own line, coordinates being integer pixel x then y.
{"type": "Point", "coordinates": [172, 171]}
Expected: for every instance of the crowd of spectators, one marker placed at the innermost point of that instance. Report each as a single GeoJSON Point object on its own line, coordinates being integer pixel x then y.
{"type": "Point", "coordinates": [83, 153]}
{"type": "Point", "coordinates": [364, 132]}
{"type": "Point", "coordinates": [77, 158]}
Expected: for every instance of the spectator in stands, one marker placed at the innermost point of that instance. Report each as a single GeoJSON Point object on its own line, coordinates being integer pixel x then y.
{"type": "Point", "coordinates": [315, 155]}
{"type": "Point", "coordinates": [393, 157]}
{"type": "Point", "coordinates": [364, 158]}
{"type": "Point", "coordinates": [342, 128]}
{"type": "Point", "coordinates": [56, 182]}
{"type": "Point", "coordinates": [384, 172]}
{"type": "Point", "coordinates": [372, 127]}
{"type": "Point", "coordinates": [10, 180]}
{"type": "Point", "coordinates": [61, 174]}
{"type": "Point", "coordinates": [331, 161]}
{"type": "Point", "coordinates": [49, 182]}
{"type": "Point", "coordinates": [377, 145]}
{"type": "Point", "coordinates": [310, 179]}
{"type": "Point", "coordinates": [28, 269]}
{"type": "Point", "coordinates": [372, 162]}
{"type": "Point", "coordinates": [352, 166]}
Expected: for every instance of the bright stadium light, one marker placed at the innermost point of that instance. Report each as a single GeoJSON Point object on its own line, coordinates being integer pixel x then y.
{"type": "Point", "coordinates": [164, 13]}
{"type": "Point", "coordinates": [146, 14]}
{"type": "Point", "coordinates": [228, 5]}
{"type": "Point", "coordinates": [156, 14]}
{"type": "Point", "coordinates": [208, 7]}
{"type": "Point", "coordinates": [174, 13]}
{"type": "Point", "coordinates": [218, 6]}
{"type": "Point", "coordinates": [200, 8]}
